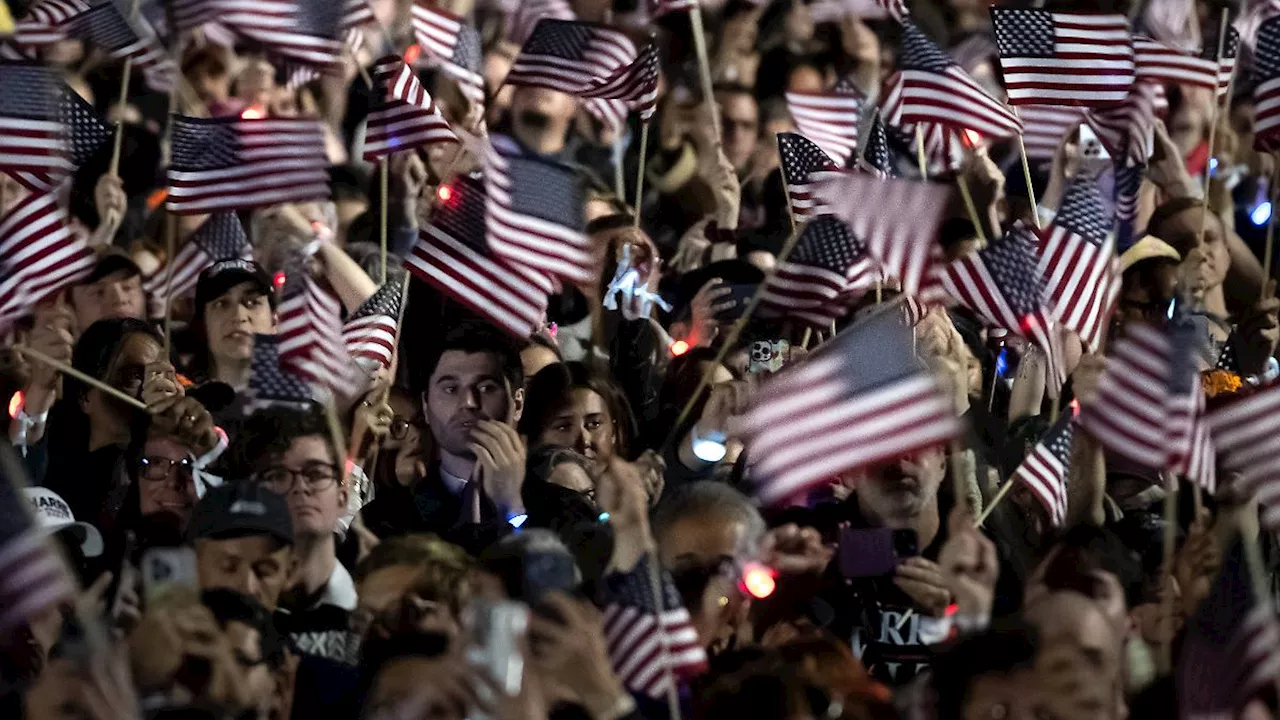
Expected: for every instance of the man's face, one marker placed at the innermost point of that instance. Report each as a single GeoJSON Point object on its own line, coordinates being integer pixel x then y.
{"type": "Point", "coordinates": [893, 494]}
{"type": "Point", "coordinates": [464, 388]}
{"type": "Point", "coordinates": [740, 118]}
{"type": "Point", "coordinates": [118, 295]}
{"type": "Point", "coordinates": [246, 648]}
{"type": "Point", "coordinates": [231, 319]}
{"type": "Point", "coordinates": [257, 565]}
{"type": "Point", "coordinates": [707, 546]}
{"type": "Point", "coordinates": [535, 111]}
{"type": "Point", "coordinates": [388, 600]}
{"type": "Point", "coordinates": [315, 505]}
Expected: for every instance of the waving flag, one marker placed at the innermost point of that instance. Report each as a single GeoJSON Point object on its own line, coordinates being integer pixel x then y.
{"type": "Point", "coordinates": [877, 155]}
{"type": "Point", "coordinates": [221, 237]}
{"type": "Point", "coordinates": [1127, 130]}
{"type": "Point", "coordinates": [1157, 62]}
{"type": "Point", "coordinates": [829, 119]}
{"type": "Point", "coordinates": [1150, 403]}
{"type": "Point", "coordinates": [39, 255]}
{"type": "Point", "coordinates": [1046, 469]}
{"type": "Point", "coordinates": [268, 379]}
{"type": "Point", "coordinates": [407, 118]}
{"type": "Point", "coordinates": [449, 42]}
{"type": "Point", "coordinates": [33, 578]}
{"type": "Point", "coordinates": [931, 88]}
{"type": "Point", "coordinates": [33, 143]}
{"type": "Point", "coordinates": [862, 398]}
{"type": "Point", "coordinates": [1054, 58]}
{"type": "Point", "coordinates": [299, 31]}
{"type": "Point", "coordinates": [228, 163]}
{"type": "Point", "coordinates": [1079, 265]}
{"type": "Point", "coordinates": [42, 25]}
{"type": "Point", "coordinates": [1246, 436]}
{"type": "Point", "coordinates": [874, 208]}
{"type": "Point", "coordinates": [826, 271]}
{"type": "Point", "coordinates": [1128, 184]}
{"type": "Point", "coordinates": [529, 13]}
{"type": "Point", "coordinates": [636, 84]}
{"type": "Point", "coordinates": [106, 28]}
{"type": "Point", "coordinates": [311, 333]}
{"type": "Point", "coordinates": [534, 214]}
{"type": "Point", "coordinates": [570, 56]}
{"type": "Point", "coordinates": [86, 132]}
{"type": "Point", "coordinates": [370, 332]}
{"type": "Point", "coordinates": [1001, 284]}
{"type": "Point", "coordinates": [1266, 94]}
{"type": "Point", "coordinates": [650, 646]}
{"type": "Point", "coordinates": [1044, 126]}
{"type": "Point", "coordinates": [801, 159]}
{"type": "Point", "coordinates": [452, 254]}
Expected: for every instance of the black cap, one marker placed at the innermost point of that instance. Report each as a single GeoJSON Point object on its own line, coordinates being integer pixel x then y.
{"type": "Point", "coordinates": [223, 275]}
{"type": "Point", "coordinates": [110, 260]}
{"type": "Point", "coordinates": [238, 510]}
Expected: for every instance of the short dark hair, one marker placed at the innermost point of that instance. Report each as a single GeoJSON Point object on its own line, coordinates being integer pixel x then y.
{"type": "Point", "coordinates": [477, 337]}
{"type": "Point", "coordinates": [549, 392]}
{"type": "Point", "coordinates": [268, 433]}
{"type": "Point", "coordinates": [1086, 549]}
{"type": "Point", "coordinates": [230, 606]}
{"type": "Point", "coordinates": [1000, 650]}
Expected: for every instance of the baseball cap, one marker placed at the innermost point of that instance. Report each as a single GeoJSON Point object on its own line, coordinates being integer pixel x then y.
{"type": "Point", "coordinates": [223, 275]}
{"type": "Point", "coordinates": [240, 509]}
{"type": "Point", "coordinates": [112, 259]}
{"type": "Point", "coordinates": [1148, 248]}
{"type": "Point", "coordinates": [53, 515]}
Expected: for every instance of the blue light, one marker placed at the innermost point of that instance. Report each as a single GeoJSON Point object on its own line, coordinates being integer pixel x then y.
{"type": "Point", "coordinates": [1213, 166]}
{"type": "Point", "coordinates": [1261, 214]}
{"type": "Point", "coordinates": [1002, 362]}
{"type": "Point", "coordinates": [603, 517]}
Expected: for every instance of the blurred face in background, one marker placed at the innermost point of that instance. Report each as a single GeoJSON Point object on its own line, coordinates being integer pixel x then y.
{"type": "Point", "coordinates": [118, 295]}
{"type": "Point", "coordinates": [256, 565]}
{"type": "Point", "coordinates": [540, 117]}
{"type": "Point", "coordinates": [894, 494]}
{"type": "Point", "coordinates": [256, 82]}
{"type": "Point", "coordinates": [740, 120]}
{"type": "Point", "coordinates": [165, 481]}
{"type": "Point", "coordinates": [583, 423]}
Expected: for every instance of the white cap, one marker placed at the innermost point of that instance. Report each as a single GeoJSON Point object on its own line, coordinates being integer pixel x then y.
{"type": "Point", "coordinates": [53, 514]}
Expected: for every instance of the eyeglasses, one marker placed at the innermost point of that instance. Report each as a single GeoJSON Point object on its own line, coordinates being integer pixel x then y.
{"type": "Point", "coordinates": [315, 477]}
{"type": "Point", "coordinates": [400, 426]}
{"type": "Point", "coordinates": [155, 468]}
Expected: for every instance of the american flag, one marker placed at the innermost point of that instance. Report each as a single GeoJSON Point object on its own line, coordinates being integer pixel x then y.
{"type": "Point", "coordinates": [300, 31]}
{"type": "Point", "coordinates": [874, 209]}
{"type": "Point", "coordinates": [570, 56]}
{"type": "Point", "coordinates": [658, 8]}
{"type": "Point", "coordinates": [528, 13]}
{"type": "Point", "coordinates": [86, 132]}
{"type": "Point", "coordinates": [229, 163]}
{"type": "Point", "coordinates": [221, 237]}
{"type": "Point", "coordinates": [1001, 284]}
{"type": "Point", "coordinates": [407, 118]}
{"type": "Point", "coordinates": [826, 271]}
{"type": "Point", "coordinates": [354, 14]}
{"type": "Point", "coordinates": [650, 647]}
{"type": "Point", "coordinates": [1245, 435]}
{"type": "Point", "coordinates": [1266, 94]}
{"type": "Point", "coordinates": [310, 332]}
{"type": "Point", "coordinates": [931, 88]}
{"type": "Point", "coordinates": [800, 160]}
{"type": "Point", "coordinates": [1079, 265]}
{"type": "Point", "coordinates": [105, 27]}
{"type": "Point", "coordinates": [42, 25]}
{"type": "Point", "coordinates": [877, 155]}
{"type": "Point", "coordinates": [448, 40]}
{"type": "Point", "coordinates": [370, 332]}
{"type": "Point", "coordinates": [1149, 406]}
{"type": "Point", "coordinates": [1174, 22]}
{"type": "Point", "coordinates": [33, 142]}
{"type": "Point", "coordinates": [268, 379]}
{"type": "Point", "coordinates": [829, 119]}
{"type": "Point", "coordinates": [1157, 62]}
{"type": "Point", "coordinates": [835, 10]}
{"type": "Point", "coordinates": [1054, 58]}
{"type": "Point", "coordinates": [1045, 469]}
{"type": "Point", "coordinates": [1127, 130]}
{"type": "Point", "coordinates": [39, 255]}
{"type": "Point", "coordinates": [1229, 652]}
{"type": "Point", "coordinates": [1044, 126]}
{"type": "Point", "coordinates": [635, 85]}
{"type": "Point", "coordinates": [33, 577]}
{"type": "Point", "coordinates": [1128, 184]}
{"type": "Point", "coordinates": [453, 255]}
{"type": "Point", "coordinates": [534, 217]}
{"type": "Point", "coordinates": [861, 399]}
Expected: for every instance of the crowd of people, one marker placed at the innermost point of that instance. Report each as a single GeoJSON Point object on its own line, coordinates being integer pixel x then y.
{"type": "Point", "coordinates": [567, 524]}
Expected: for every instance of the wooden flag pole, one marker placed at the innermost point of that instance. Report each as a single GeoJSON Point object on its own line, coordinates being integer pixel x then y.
{"type": "Point", "coordinates": [1026, 175]}
{"type": "Point", "coordinates": [971, 208]}
{"type": "Point", "coordinates": [1213, 122]}
{"type": "Point", "coordinates": [1268, 252]}
{"type": "Point", "coordinates": [118, 142]}
{"type": "Point", "coordinates": [920, 158]}
{"type": "Point", "coordinates": [704, 69]}
{"type": "Point", "coordinates": [86, 379]}
{"type": "Point", "coordinates": [644, 147]}
{"type": "Point", "coordinates": [1164, 660]}
{"type": "Point", "coordinates": [383, 182]}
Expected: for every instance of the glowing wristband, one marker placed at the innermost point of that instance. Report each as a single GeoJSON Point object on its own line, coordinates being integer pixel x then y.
{"type": "Point", "coordinates": [709, 449]}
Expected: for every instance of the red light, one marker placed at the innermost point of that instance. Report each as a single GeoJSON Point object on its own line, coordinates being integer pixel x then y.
{"type": "Point", "coordinates": [278, 280]}
{"type": "Point", "coordinates": [758, 581]}
{"type": "Point", "coordinates": [444, 192]}
{"type": "Point", "coordinates": [679, 347]}
{"type": "Point", "coordinates": [971, 138]}
{"type": "Point", "coordinates": [253, 112]}
{"type": "Point", "coordinates": [952, 609]}
{"type": "Point", "coordinates": [411, 54]}
{"type": "Point", "coordinates": [15, 404]}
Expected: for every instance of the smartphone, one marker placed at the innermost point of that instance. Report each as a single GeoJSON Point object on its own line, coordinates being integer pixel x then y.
{"type": "Point", "coordinates": [874, 552]}
{"type": "Point", "coordinates": [168, 570]}
{"type": "Point", "coordinates": [768, 356]}
{"type": "Point", "coordinates": [1094, 157]}
{"type": "Point", "coordinates": [741, 294]}
{"type": "Point", "coordinates": [495, 631]}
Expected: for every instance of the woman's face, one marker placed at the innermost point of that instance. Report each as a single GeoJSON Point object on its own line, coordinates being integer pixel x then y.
{"type": "Point", "coordinates": [231, 320]}
{"type": "Point", "coordinates": [584, 424]}
{"type": "Point", "coordinates": [165, 482]}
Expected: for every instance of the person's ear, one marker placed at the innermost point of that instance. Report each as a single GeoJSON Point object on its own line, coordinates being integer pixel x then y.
{"type": "Point", "coordinates": [517, 405]}
{"type": "Point", "coordinates": [344, 495]}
